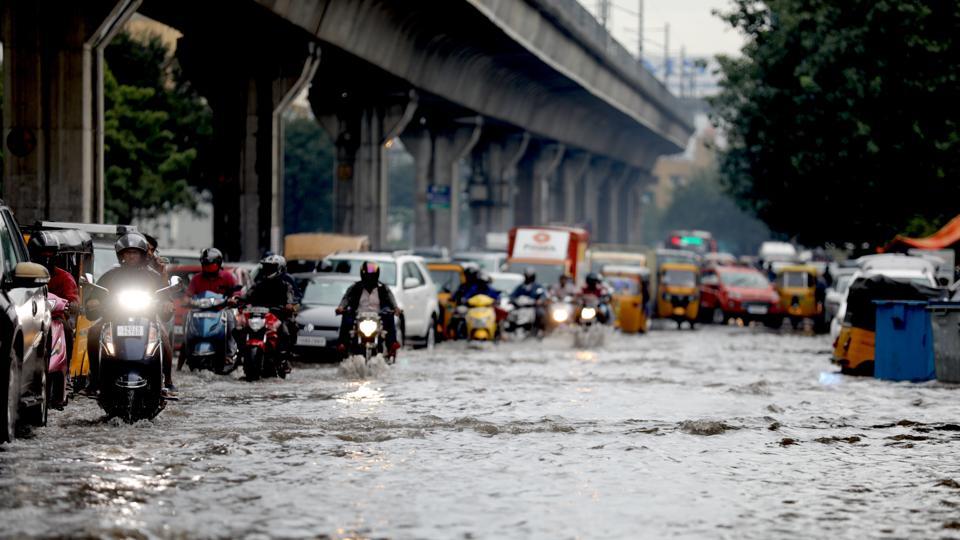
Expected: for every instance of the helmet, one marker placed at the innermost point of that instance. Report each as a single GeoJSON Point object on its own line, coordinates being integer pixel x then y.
{"type": "Point", "coordinates": [211, 260]}
{"type": "Point", "coordinates": [470, 272]}
{"type": "Point", "coordinates": [484, 277]}
{"type": "Point", "coordinates": [370, 273]}
{"type": "Point", "coordinates": [272, 266]}
{"type": "Point", "coordinates": [131, 241]}
{"type": "Point", "coordinates": [43, 248]}
{"type": "Point", "coordinates": [593, 279]}
{"type": "Point", "coordinates": [529, 274]}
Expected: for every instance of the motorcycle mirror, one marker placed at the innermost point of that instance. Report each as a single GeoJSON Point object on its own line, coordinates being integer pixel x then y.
{"type": "Point", "coordinates": [86, 279]}
{"type": "Point", "coordinates": [175, 280]}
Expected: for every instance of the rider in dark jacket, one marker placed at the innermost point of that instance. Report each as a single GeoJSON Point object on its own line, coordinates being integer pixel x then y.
{"type": "Point", "coordinates": [534, 291]}
{"type": "Point", "coordinates": [368, 294]}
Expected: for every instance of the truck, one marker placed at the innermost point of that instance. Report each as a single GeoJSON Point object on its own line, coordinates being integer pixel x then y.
{"type": "Point", "coordinates": [552, 251]}
{"type": "Point", "coordinates": [304, 251]}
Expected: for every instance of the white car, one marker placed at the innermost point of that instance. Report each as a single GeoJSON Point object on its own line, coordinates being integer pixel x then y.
{"type": "Point", "coordinates": [488, 261]}
{"type": "Point", "coordinates": [894, 266]}
{"type": "Point", "coordinates": [411, 284]}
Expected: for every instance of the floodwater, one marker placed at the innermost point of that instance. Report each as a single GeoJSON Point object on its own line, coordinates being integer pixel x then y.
{"type": "Point", "coordinates": [713, 433]}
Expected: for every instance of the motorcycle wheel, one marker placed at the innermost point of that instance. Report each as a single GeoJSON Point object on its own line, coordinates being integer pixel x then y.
{"type": "Point", "coordinates": [252, 364]}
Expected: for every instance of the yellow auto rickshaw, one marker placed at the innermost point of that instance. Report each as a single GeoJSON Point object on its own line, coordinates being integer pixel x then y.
{"type": "Point", "coordinates": [447, 277]}
{"type": "Point", "coordinates": [631, 293]}
{"type": "Point", "coordinates": [678, 292]}
{"type": "Point", "coordinates": [797, 287]}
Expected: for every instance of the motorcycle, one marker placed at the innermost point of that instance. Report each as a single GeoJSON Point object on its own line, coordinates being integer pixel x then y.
{"type": "Point", "coordinates": [131, 354]}
{"type": "Point", "coordinates": [590, 318]}
{"type": "Point", "coordinates": [59, 364]}
{"type": "Point", "coordinates": [481, 319]}
{"type": "Point", "coordinates": [259, 340]}
{"type": "Point", "coordinates": [368, 337]}
{"type": "Point", "coordinates": [205, 333]}
{"type": "Point", "coordinates": [522, 320]}
{"type": "Point", "coordinates": [561, 312]}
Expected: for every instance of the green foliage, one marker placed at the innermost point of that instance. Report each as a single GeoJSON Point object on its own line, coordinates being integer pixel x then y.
{"type": "Point", "coordinates": [838, 116]}
{"type": "Point", "coordinates": [307, 178]}
{"type": "Point", "coordinates": [702, 204]}
{"type": "Point", "coordinates": [156, 129]}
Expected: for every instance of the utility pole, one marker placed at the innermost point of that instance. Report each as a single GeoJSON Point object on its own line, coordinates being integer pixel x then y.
{"type": "Point", "coordinates": [603, 13]}
{"type": "Point", "coordinates": [683, 70]}
{"type": "Point", "coordinates": [666, 55]}
{"type": "Point", "coordinates": [640, 31]}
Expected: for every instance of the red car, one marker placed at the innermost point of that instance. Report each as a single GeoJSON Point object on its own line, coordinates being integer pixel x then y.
{"type": "Point", "coordinates": [186, 272]}
{"type": "Point", "coordinates": [738, 292]}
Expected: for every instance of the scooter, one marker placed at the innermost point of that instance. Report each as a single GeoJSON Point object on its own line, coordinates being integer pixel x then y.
{"type": "Point", "coordinates": [259, 340]}
{"type": "Point", "coordinates": [481, 319]}
{"type": "Point", "coordinates": [58, 371]}
{"type": "Point", "coordinates": [131, 354]}
{"type": "Point", "coordinates": [205, 333]}
{"type": "Point", "coordinates": [522, 320]}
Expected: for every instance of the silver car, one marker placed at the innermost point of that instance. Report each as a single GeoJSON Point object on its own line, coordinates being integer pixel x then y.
{"type": "Point", "coordinates": [318, 325]}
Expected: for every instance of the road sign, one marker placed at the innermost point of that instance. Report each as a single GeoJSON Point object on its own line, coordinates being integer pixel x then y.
{"type": "Point", "coordinates": [438, 197]}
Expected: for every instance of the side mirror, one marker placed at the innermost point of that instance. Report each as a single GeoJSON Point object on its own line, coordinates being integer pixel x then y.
{"type": "Point", "coordinates": [175, 281]}
{"type": "Point", "coordinates": [86, 279]}
{"type": "Point", "coordinates": [28, 275]}
{"type": "Point", "coordinates": [410, 283]}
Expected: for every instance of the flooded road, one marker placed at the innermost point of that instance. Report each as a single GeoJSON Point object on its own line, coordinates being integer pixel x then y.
{"type": "Point", "coordinates": [719, 432]}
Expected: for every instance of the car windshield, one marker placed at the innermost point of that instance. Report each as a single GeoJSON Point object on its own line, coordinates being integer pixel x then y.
{"type": "Point", "coordinates": [325, 292]}
{"type": "Point", "coordinates": [623, 284]}
{"type": "Point", "coordinates": [744, 279]}
{"type": "Point", "coordinates": [506, 284]}
{"type": "Point", "coordinates": [445, 280]}
{"type": "Point", "coordinates": [487, 263]}
{"type": "Point", "coordinates": [388, 270]}
{"type": "Point", "coordinates": [796, 279]}
{"type": "Point", "coordinates": [683, 278]}
{"type": "Point", "coordinates": [547, 274]}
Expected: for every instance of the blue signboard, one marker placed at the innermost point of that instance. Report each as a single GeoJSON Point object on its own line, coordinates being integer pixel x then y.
{"type": "Point", "coordinates": [438, 197]}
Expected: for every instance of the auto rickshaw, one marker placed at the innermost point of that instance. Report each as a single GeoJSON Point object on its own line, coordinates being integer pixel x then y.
{"type": "Point", "coordinates": [854, 348]}
{"type": "Point", "coordinates": [448, 277]}
{"type": "Point", "coordinates": [631, 294]}
{"type": "Point", "coordinates": [797, 287]}
{"type": "Point", "coordinates": [678, 292]}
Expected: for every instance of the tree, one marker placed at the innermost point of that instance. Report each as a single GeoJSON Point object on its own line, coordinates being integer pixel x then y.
{"type": "Point", "coordinates": [838, 116]}
{"type": "Point", "coordinates": [156, 130]}
{"type": "Point", "coordinates": [307, 177]}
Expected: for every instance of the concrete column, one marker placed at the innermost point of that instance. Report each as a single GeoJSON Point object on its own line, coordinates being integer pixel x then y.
{"type": "Point", "coordinates": [248, 90]}
{"type": "Point", "coordinates": [52, 125]}
{"type": "Point", "coordinates": [610, 207]}
{"type": "Point", "coordinates": [535, 173]}
{"type": "Point", "coordinates": [596, 175]}
{"type": "Point", "coordinates": [572, 171]}
{"type": "Point", "coordinates": [419, 143]}
{"type": "Point", "coordinates": [514, 148]}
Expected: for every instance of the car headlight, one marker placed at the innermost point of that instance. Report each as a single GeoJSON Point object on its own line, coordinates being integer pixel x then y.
{"type": "Point", "coordinates": [735, 295]}
{"type": "Point", "coordinates": [134, 300]}
{"type": "Point", "coordinates": [256, 323]}
{"type": "Point", "coordinates": [560, 315]}
{"type": "Point", "coordinates": [368, 328]}
{"type": "Point", "coordinates": [588, 313]}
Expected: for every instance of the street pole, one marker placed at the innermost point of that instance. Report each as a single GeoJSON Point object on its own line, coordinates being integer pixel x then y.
{"type": "Point", "coordinates": [603, 11]}
{"type": "Point", "coordinates": [683, 70]}
{"type": "Point", "coordinates": [666, 55]}
{"type": "Point", "coordinates": [640, 31]}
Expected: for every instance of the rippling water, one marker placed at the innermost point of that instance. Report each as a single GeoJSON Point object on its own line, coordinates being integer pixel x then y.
{"type": "Point", "coordinates": [721, 432]}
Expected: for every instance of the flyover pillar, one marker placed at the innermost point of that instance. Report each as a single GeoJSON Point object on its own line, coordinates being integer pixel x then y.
{"type": "Point", "coordinates": [248, 89]}
{"type": "Point", "coordinates": [53, 105]}
{"type": "Point", "coordinates": [535, 173]}
{"type": "Point", "coordinates": [572, 172]}
{"type": "Point", "coordinates": [611, 218]}
{"type": "Point", "coordinates": [492, 184]}
{"type": "Point", "coordinates": [596, 175]}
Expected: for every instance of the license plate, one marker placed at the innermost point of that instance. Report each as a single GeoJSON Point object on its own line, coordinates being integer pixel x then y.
{"type": "Point", "coordinates": [525, 316]}
{"type": "Point", "coordinates": [757, 310]}
{"type": "Point", "coordinates": [312, 341]}
{"type": "Point", "coordinates": [129, 331]}
{"type": "Point", "coordinates": [178, 330]}
{"type": "Point", "coordinates": [205, 315]}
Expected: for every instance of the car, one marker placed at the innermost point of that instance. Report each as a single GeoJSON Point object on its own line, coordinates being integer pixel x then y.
{"type": "Point", "coordinates": [411, 284]}
{"type": "Point", "coordinates": [318, 325]}
{"type": "Point", "coordinates": [505, 282]}
{"type": "Point", "coordinates": [24, 331]}
{"type": "Point", "coordinates": [738, 292]}
{"type": "Point", "coordinates": [836, 292]}
{"type": "Point", "coordinates": [182, 305]}
{"type": "Point", "coordinates": [488, 261]}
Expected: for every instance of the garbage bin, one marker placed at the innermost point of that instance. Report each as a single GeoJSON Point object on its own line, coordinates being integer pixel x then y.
{"type": "Point", "coordinates": [945, 321]}
{"type": "Point", "coordinates": [904, 349]}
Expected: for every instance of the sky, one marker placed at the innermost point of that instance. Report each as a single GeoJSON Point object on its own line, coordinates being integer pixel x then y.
{"type": "Point", "coordinates": [691, 25]}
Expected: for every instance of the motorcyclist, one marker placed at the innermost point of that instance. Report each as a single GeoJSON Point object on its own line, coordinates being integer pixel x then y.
{"type": "Point", "coordinates": [43, 250]}
{"type": "Point", "coordinates": [271, 290]}
{"type": "Point", "coordinates": [154, 260]}
{"type": "Point", "coordinates": [285, 276]}
{"type": "Point", "coordinates": [213, 278]}
{"type": "Point", "coordinates": [476, 283]}
{"type": "Point", "coordinates": [534, 291]}
{"type": "Point", "coordinates": [594, 287]}
{"type": "Point", "coordinates": [134, 271]}
{"type": "Point", "coordinates": [368, 294]}
{"type": "Point", "coordinates": [564, 287]}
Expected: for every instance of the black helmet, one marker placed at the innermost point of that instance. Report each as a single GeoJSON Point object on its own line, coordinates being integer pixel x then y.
{"type": "Point", "coordinates": [131, 241]}
{"type": "Point", "coordinates": [211, 256]}
{"type": "Point", "coordinates": [40, 247]}
{"type": "Point", "coordinates": [593, 279]}
{"type": "Point", "coordinates": [272, 266]}
{"type": "Point", "coordinates": [370, 273]}
{"type": "Point", "coordinates": [529, 275]}
{"type": "Point", "coordinates": [470, 272]}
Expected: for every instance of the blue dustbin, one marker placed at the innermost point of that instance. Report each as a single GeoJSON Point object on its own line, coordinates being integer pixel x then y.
{"type": "Point", "coordinates": [904, 342]}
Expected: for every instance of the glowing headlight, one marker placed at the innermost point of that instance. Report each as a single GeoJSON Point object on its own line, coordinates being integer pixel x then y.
{"type": "Point", "coordinates": [588, 313]}
{"type": "Point", "coordinates": [560, 315]}
{"type": "Point", "coordinates": [368, 327]}
{"type": "Point", "coordinates": [134, 300]}
{"type": "Point", "coordinates": [256, 323]}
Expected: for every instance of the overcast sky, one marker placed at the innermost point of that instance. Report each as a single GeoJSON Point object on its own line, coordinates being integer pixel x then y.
{"type": "Point", "coordinates": [691, 25]}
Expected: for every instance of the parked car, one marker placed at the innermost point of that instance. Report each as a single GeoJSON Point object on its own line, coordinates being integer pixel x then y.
{"type": "Point", "coordinates": [836, 293]}
{"type": "Point", "coordinates": [738, 292]}
{"type": "Point", "coordinates": [411, 284]}
{"type": "Point", "coordinates": [24, 331]}
{"type": "Point", "coordinates": [317, 322]}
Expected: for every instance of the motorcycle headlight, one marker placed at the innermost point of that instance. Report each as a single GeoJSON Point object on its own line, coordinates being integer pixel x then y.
{"type": "Point", "coordinates": [134, 300]}
{"type": "Point", "coordinates": [256, 323]}
{"type": "Point", "coordinates": [560, 315]}
{"type": "Point", "coordinates": [368, 328]}
{"type": "Point", "coordinates": [588, 313]}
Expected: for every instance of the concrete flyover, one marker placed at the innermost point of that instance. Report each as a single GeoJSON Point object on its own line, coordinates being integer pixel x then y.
{"type": "Point", "coordinates": [544, 107]}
